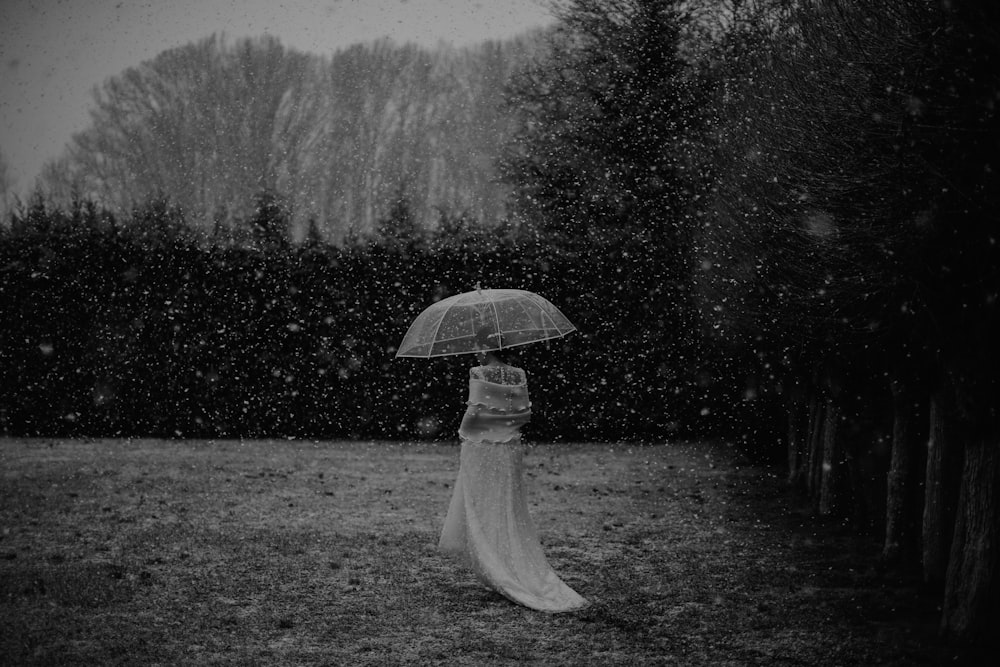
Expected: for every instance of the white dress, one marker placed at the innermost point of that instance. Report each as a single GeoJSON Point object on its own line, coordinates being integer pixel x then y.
{"type": "Point", "coordinates": [488, 526]}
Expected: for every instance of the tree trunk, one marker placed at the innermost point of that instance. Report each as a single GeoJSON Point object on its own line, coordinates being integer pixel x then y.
{"type": "Point", "coordinates": [901, 483]}
{"type": "Point", "coordinates": [797, 436]}
{"type": "Point", "coordinates": [795, 476]}
{"type": "Point", "coordinates": [831, 473]}
{"type": "Point", "coordinates": [854, 493]}
{"type": "Point", "coordinates": [971, 610]}
{"type": "Point", "coordinates": [943, 477]}
{"type": "Point", "coordinates": [815, 446]}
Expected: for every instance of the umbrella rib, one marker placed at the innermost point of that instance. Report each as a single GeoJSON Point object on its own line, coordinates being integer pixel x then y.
{"type": "Point", "coordinates": [520, 304]}
{"type": "Point", "coordinates": [545, 314]}
{"type": "Point", "coordinates": [437, 328]}
{"type": "Point", "coordinates": [448, 340]}
{"type": "Point", "coordinates": [496, 315]}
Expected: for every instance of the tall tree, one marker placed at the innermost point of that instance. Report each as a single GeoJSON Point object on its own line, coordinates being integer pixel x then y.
{"type": "Point", "coordinates": [206, 124]}
{"type": "Point", "coordinates": [6, 186]}
{"type": "Point", "coordinates": [430, 119]}
{"type": "Point", "coordinates": [398, 229]}
{"type": "Point", "coordinates": [609, 120]}
{"type": "Point", "coordinates": [852, 240]}
{"type": "Point", "coordinates": [606, 164]}
{"type": "Point", "coordinates": [957, 134]}
{"type": "Point", "coordinates": [269, 225]}
{"type": "Point", "coordinates": [210, 124]}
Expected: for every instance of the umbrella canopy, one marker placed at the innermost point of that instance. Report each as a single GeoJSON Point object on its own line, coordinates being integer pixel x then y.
{"type": "Point", "coordinates": [482, 320]}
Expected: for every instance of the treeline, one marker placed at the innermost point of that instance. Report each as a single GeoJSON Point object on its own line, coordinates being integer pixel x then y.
{"type": "Point", "coordinates": [820, 178]}
{"type": "Point", "coordinates": [146, 327]}
{"type": "Point", "coordinates": [209, 124]}
{"type": "Point", "coordinates": [850, 244]}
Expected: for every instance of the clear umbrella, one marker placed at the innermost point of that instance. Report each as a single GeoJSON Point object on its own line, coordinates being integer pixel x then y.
{"type": "Point", "coordinates": [482, 320]}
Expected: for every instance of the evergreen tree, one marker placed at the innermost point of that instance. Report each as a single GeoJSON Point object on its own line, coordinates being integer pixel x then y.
{"type": "Point", "coordinates": [399, 229]}
{"type": "Point", "coordinates": [605, 167]}
{"type": "Point", "coordinates": [609, 118]}
{"type": "Point", "coordinates": [270, 226]}
{"type": "Point", "coordinates": [7, 183]}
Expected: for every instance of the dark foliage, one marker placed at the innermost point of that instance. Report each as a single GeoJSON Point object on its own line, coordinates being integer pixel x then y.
{"type": "Point", "coordinates": [145, 328]}
{"type": "Point", "coordinates": [611, 121]}
{"type": "Point", "coordinates": [850, 247]}
{"type": "Point", "coordinates": [607, 166]}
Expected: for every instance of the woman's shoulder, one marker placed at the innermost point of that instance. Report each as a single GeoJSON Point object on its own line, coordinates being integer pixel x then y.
{"type": "Point", "coordinates": [502, 374]}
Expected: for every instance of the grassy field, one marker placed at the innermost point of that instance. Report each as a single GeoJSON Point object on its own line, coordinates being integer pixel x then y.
{"type": "Point", "coordinates": [296, 553]}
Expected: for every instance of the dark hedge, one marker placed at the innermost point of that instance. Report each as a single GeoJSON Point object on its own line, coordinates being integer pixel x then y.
{"type": "Point", "coordinates": [146, 329]}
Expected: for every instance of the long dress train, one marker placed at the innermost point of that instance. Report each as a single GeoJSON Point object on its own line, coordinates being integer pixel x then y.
{"type": "Point", "coordinates": [488, 525]}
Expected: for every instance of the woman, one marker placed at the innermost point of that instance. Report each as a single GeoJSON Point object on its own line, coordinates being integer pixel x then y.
{"type": "Point", "coordinates": [488, 525]}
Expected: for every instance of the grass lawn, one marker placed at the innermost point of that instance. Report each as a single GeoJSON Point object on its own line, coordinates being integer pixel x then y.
{"type": "Point", "coordinates": [288, 553]}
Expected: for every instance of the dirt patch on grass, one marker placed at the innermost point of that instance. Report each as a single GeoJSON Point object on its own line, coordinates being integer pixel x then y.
{"type": "Point", "coordinates": [274, 552]}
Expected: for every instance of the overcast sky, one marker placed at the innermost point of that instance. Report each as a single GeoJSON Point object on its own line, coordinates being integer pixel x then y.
{"type": "Point", "coordinates": [53, 52]}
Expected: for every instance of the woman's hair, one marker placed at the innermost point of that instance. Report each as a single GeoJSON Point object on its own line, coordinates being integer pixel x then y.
{"type": "Point", "coordinates": [487, 336]}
